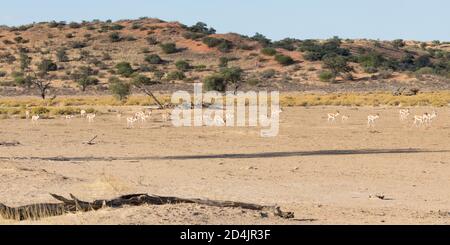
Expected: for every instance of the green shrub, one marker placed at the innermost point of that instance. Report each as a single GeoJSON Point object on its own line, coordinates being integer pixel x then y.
{"type": "Point", "coordinates": [284, 59]}
{"type": "Point", "coordinates": [269, 73]}
{"type": "Point", "coordinates": [40, 111]}
{"type": "Point", "coordinates": [214, 83]}
{"type": "Point", "coordinates": [74, 25]}
{"type": "Point", "coordinates": [78, 45]}
{"type": "Point", "coordinates": [169, 48]}
{"type": "Point", "coordinates": [61, 55]}
{"type": "Point", "coordinates": [175, 75]}
{"type": "Point", "coordinates": [202, 28]}
{"type": "Point", "coordinates": [193, 35]}
{"type": "Point", "coordinates": [3, 73]}
{"type": "Point", "coordinates": [269, 51]}
{"type": "Point", "coordinates": [117, 27]}
{"type": "Point", "coordinates": [151, 40]}
{"type": "Point", "coordinates": [153, 59]}
{"type": "Point", "coordinates": [398, 43]}
{"type": "Point", "coordinates": [115, 37]}
{"type": "Point", "coordinates": [47, 65]}
{"type": "Point", "coordinates": [119, 88]}
{"type": "Point", "coordinates": [326, 76]}
{"type": "Point", "coordinates": [253, 81]}
{"type": "Point", "coordinates": [222, 44]}
{"type": "Point", "coordinates": [124, 69]}
{"type": "Point", "coordinates": [182, 65]}
{"type": "Point", "coordinates": [264, 41]}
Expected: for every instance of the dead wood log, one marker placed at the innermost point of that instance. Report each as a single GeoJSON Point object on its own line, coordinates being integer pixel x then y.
{"type": "Point", "coordinates": [42, 210]}
{"type": "Point", "coordinates": [9, 143]}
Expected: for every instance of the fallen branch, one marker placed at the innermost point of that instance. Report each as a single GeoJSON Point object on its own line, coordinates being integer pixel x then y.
{"type": "Point", "coordinates": [42, 210]}
{"type": "Point", "coordinates": [9, 143]}
{"type": "Point", "coordinates": [91, 142]}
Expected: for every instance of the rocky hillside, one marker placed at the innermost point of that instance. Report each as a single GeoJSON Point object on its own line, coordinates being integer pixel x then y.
{"type": "Point", "coordinates": [90, 57]}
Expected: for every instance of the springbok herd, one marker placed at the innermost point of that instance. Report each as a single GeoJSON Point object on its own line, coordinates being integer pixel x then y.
{"type": "Point", "coordinates": [425, 119]}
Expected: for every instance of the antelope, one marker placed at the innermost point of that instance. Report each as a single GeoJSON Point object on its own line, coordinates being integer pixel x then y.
{"type": "Point", "coordinates": [218, 121]}
{"type": "Point", "coordinates": [419, 120]}
{"type": "Point", "coordinates": [429, 118]}
{"type": "Point", "coordinates": [82, 113]}
{"type": "Point", "coordinates": [165, 116]}
{"type": "Point", "coordinates": [332, 117]}
{"type": "Point", "coordinates": [344, 118]}
{"type": "Point", "coordinates": [27, 114]}
{"type": "Point", "coordinates": [69, 117]}
{"type": "Point", "coordinates": [131, 121]}
{"type": "Point", "coordinates": [34, 119]}
{"type": "Point", "coordinates": [404, 113]}
{"type": "Point", "coordinates": [90, 117]}
{"type": "Point", "coordinates": [371, 120]}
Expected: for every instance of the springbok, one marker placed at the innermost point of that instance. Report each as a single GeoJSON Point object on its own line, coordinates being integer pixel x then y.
{"type": "Point", "coordinates": [371, 120]}
{"type": "Point", "coordinates": [90, 117]}
{"type": "Point", "coordinates": [34, 119]}
{"type": "Point", "coordinates": [345, 118]}
{"type": "Point", "coordinates": [27, 114]}
{"type": "Point", "coordinates": [332, 116]}
{"type": "Point", "coordinates": [82, 113]}
{"type": "Point", "coordinates": [420, 120]}
{"type": "Point", "coordinates": [131, 121]}
{"type": "Point", "coordinates": [404, 113]}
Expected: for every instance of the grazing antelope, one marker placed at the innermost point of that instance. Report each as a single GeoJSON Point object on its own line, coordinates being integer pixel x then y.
{"type": "Point", "coordinates": [429, 118]}
{"type": "Point", "coordinates": [332, 116]}
{"type": "Point", "coordinates": [27, 114]}
{"type": "Point", "coordinates": [69, 118]}
{"type": "Point", "coordinates": [165, 116]}
{"type": "Point", "coordinates": [345, 118]}
{"type": "Point", "coordinates": [404, 113]}
{"type": "Point", "coordinates": [218, 121]}
{"type": "Point", "coordinates": [371, 120]}
{"type": "Point", "coordinates": [141, 116]}
{"type": "Point", "coordinates": [131, 121]}
{"type": "Point", "coordinates": [419, 120]}
{"type": "Point", "coordinates": [34, 119]}
{"type": "Point", "coordinates": [90, 117]}
{"type": "Point", "coordinates": [82, 113]}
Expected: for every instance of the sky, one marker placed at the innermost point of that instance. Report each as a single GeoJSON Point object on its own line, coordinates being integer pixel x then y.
{"type": "Point", "coordinates": [304, 19]}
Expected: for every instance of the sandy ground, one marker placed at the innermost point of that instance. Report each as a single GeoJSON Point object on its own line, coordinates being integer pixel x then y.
{"type": "Point", "coordinates": [325, 173]}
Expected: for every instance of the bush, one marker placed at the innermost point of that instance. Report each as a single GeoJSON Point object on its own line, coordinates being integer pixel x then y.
{"type": "Point", "coordinates": [222, 44]}
{"type": "Point", "coordinates": [169, 48]}
{"type": "Point", "coordinates": [284, 59]}
{"type": "Point", "coordinates": [40, 111]}
{"type": "Point", "coordinates": [214, 83]}
{"type": "Point", "coordinates": [78, 45]}
{"type": "Point", "coordinates": [74, 25]}
{"type": "Point", "coordinates": [269, 51]}
{"type": "Point", "coordinates": [117, 27]}
{"type": "Point", "coordinates": [287, 44]}
{"type": "Point", "coordinates": [153, 59]}
{"type": "Point", "coordinates": [61, 55]}
{"type": "Point", "coordinates": [140, 80]}
{"type": "Point", "coordinates": [201, 27]}
{"type": "Point", "coordinates": [253, 81]}
{"type": "Point", "coordinates": [326, 76]}
{"type": "Point", "coordinates": [175, 75]}
{"type": "Point", "coordinates": [83, 77]}
{"type": "Point", "coordinates": [193, 35]}
{"type": "Point", "coordinates": [21, 80]}
{"type": "Point", "coordinates": [261, 39]}
{"type": "Point", "coordinates": [47, 65]}
{"type": "Point", "coordinates": [315, 51]}
{"type": "Point", "coordinates": [115, 37]}
{"type": "Point", "coordinates": [212, 41]}
{"type": "Point", "coordinates": [119, 88]}
{"type": "Point", "coordinates": [3, 73]}
{"type": "Point", "coordinates": [124, 69]}
{"type": "Point", "coordinates": [182, 65]}
{"type": "Point", "coordinates": [269, 73]}
{"type": "Point", "coordinates": [151, 40]}
{"type": "Point", "coordinates": [398, 43]}
{"type": "Point", "coordinates": [223, 62]}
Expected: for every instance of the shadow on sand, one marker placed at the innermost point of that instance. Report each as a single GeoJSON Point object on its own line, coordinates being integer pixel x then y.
{"type": "Point", "coordinates": [233, 156]}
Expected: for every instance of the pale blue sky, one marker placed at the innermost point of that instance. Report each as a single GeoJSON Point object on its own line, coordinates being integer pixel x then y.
{"type": "Point", "coordinates": [374, 19]}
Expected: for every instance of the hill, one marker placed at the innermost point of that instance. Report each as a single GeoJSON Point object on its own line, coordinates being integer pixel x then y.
{"type": "Point", "coordinates": [86, 58]}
